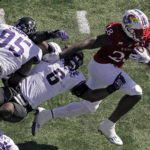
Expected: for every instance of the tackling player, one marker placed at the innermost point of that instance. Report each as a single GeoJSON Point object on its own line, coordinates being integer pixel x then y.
{"type": "Point", "coordinates": [47, 80]}
{"type": "Point", "coordinates": [116, 45]}
{"type": "Point", "coordinates": [18, 46]}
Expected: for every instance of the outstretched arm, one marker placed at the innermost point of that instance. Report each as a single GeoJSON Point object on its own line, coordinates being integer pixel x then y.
{"type": "Point", "coordinates": [91, 43]}
{"type": "Point", "coordinates": [39, 37]}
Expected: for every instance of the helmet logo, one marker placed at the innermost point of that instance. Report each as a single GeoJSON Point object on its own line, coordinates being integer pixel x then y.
{"type": "Point", "coordinates": [129, 19]}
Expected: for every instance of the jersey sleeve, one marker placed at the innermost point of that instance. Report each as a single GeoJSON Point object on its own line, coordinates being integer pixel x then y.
{"type": "Point", "coordinates": [112, 31]}
{"type": "Point", "coordinates": [39, 37]}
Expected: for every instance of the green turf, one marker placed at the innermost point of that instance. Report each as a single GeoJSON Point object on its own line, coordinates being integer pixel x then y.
{"type": "Point", "coordinates": [80, 133]}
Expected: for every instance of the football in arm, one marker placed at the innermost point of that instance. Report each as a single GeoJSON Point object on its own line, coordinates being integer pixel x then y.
{"type": "Point", "coordinates": [140, 54]}
{"type": "Point", "coordinates": [141, 49]}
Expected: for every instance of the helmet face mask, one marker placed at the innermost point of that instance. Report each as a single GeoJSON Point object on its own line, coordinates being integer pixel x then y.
{"type": "Point", "coordinates": [27, 25]}
{"type": "Point", "coordinates": [135, 23]}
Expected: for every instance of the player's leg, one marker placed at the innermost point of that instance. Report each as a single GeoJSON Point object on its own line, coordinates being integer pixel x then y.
{"type": "Point", "coordinates": [75, 108]}
{"type": "Point", "coordinates": [42, 115]}
{"type": "Point", "coordinates": [10, 110]}
{"type": "Point", "coordinates": [133, 95]}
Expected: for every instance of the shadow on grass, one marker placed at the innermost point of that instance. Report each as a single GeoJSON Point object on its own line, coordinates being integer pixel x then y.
{"type": "Point", "coordinates": [31, 145]}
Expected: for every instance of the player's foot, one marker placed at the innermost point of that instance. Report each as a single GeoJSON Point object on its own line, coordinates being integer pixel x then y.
{"type": "Point", "coordinates": [107, 128]}
{"type": "Point", "coordinates": [41, 116]}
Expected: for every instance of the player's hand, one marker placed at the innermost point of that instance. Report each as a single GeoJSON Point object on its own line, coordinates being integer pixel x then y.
{"type": "Point", "coordinates": [51, 57]}
{"type": "Point", "coordinates": [60, 34]}
{"type": "Point", "coordinates": [140, 54]}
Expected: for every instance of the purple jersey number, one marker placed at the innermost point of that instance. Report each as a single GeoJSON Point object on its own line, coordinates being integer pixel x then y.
{"type": "Point", "coordinates": [7, 36]}
{"type": "Point", "coordinates": [55, 76]}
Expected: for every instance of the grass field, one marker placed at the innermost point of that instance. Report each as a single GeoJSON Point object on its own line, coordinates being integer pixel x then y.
{"type": "Point", "coordinates": [80, 133]}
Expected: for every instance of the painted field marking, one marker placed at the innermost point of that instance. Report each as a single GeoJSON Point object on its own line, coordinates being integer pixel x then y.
{"type": "Point", "coordinates": [2, 14]}
{"type": "Point", "coordinates": [83, 22]}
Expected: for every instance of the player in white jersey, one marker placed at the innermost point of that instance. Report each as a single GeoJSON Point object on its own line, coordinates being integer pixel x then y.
{"type": "Point", "coordinates": [6, 143]}
{"type": "Point", "coordinates": [16, 48]}
{"type": "Point", "coordinates": [47, 80]}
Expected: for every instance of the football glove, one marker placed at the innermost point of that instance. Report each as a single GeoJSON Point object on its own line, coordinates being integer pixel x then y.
{"type": "Point", "coordinates": [60, 34]}
{"type": "Point", "coordinates": [140, 55]}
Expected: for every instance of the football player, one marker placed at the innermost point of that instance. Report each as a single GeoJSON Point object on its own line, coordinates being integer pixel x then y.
{"type": "Point", "coordinates": [47, 80]}
{"type": "Point", "coordinates": [6, 143]}
{"type": "Point", "coordinates": [18, 46]}
{"type": "Point", "coordinates": [18, 49]}
{"type": "Point", "coordinates": [116, 45]}
{"type": "Point", "coordinates": [15, 46]}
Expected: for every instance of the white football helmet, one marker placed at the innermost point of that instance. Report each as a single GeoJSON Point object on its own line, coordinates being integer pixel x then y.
{"type": "Point", "coordinates": [135, 23]}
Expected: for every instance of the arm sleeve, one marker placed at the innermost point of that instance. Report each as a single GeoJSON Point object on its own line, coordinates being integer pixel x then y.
{"type": "Point", "coordinates": [39, 37]}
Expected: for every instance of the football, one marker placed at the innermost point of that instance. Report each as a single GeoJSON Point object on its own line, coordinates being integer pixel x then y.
{"type": "Point", "coordinates": [140, 54]}
{"type": "Point", "coordinates": [141, 49]}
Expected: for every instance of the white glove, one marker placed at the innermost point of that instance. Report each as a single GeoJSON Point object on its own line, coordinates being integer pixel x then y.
{"type": "Point", "coordinates": [51, 57]}
{"type": "Point", "coordinates": [140, 55]}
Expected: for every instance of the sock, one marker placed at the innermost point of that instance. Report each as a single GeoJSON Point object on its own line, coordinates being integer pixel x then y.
{"type": "Point", "coordinates": [70, 110]}
{"type": "Point", "coordinates": [108, 123]}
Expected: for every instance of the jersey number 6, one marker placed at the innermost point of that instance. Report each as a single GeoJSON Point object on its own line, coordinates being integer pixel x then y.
{"type": "Point", "coordinates": [55, 76]}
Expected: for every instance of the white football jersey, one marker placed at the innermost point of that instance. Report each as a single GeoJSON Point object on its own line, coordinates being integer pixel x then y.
{"type": "Point", "coordinates": [15, 49]}
{"type": "Point", "coordinates": [47, 80]}
{"type": "Point", "coordinates": [6, 143]}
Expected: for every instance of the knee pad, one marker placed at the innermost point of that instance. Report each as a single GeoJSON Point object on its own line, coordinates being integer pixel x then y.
{"type": "Point", "coordinates": [137, 90]}
{"type": "Point", "coordinates": [92, 107]}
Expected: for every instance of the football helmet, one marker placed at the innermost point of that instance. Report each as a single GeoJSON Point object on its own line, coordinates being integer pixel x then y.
{"type": "Point", "coordinates": [135, 24]}
{"type": "Point", "coordinates": [27, 25]}
{"type": "Point", "coordinates": [74, 61]}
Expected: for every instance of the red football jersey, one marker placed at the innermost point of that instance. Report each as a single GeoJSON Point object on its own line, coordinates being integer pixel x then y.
{"type": "Point", "coordinates": [120, 49]}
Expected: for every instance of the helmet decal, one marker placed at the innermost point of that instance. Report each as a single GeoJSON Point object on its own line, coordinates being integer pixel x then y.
{"type": "Point", "coordinates": [129, 19]}
{"type": "Point", "coordinates": [135, 23]}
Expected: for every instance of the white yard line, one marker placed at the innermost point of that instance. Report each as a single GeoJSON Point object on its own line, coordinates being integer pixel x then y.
{"type": "Point", "coordinates": [2, 14]}
{"type": "Point", "coordinates": [83, 22]}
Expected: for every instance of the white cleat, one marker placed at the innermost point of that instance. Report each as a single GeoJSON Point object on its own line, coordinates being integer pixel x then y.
{"type": "Point", "coordinates": [107, 128]}
{"type": "Point", "coordinates": [41, 116]}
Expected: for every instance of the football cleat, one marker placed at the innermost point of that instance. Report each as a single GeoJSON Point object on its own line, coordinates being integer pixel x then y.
{"type": "Point", "coordinates": [109, 132]}
{"type": "Point", "coordinates": [41, 116]}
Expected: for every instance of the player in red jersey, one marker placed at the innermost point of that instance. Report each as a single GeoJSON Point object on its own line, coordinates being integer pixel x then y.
{"type": "Point", "coordinates": [116, 46]}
